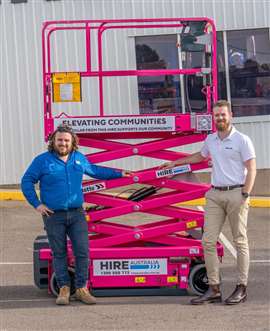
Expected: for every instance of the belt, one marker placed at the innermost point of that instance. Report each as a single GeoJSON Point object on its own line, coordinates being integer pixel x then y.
{"type": "Point", "coordinates": [226, 188]}
{"type": "Point", "coordinates": [67, 210]}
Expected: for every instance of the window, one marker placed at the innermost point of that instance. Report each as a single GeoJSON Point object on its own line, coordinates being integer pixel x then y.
{"type": "Point", "coordinates": [158, 94]}
{"type": "Point", "coordinates": [249, 71]}
{"type": "Point", "coordinates": [162, 94]}
{"type": "Point", "coordinates": [195, 99]}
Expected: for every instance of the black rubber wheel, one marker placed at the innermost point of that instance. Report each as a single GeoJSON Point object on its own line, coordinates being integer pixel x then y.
{"type": "Point", "coordinates": [54, 286]}
{"type": "Point", "coordinates": [198, 281]}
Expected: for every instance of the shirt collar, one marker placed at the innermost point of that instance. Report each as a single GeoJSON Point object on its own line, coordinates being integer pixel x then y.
{"type": "Point", "coordinates": [57, 156]}
{"type": "Point", "coordinates": [229, 137]}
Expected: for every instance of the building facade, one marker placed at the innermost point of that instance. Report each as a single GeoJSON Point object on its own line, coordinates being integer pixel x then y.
{"type": "Point", "coordinates": [243, 69]}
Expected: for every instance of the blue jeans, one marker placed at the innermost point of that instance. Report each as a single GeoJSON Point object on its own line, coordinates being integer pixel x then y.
{"type": "Point", "coordinates": [71, 223]}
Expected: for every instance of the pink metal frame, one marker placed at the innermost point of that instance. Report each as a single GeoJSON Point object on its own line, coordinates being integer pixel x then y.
{"type": "Point", "coordinates": [101, 26]}
{"type": "Point", "coordinates": [113, 241]}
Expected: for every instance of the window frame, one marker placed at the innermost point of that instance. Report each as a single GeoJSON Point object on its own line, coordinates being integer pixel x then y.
{"type": "Point", "coordinates": [237, 119]}
{"type": "Point", "coordinates": [240, 119]}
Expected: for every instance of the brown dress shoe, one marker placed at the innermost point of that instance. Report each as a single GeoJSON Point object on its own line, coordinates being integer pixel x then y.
{"type": "Point", "coordinates": [63, 296]}
{"type": "Point", "coordinates": [83, 295]}
{"type": "Point", "coordinates": [212, 295]}
{"type": "Point", "coordinates": [238, 295]}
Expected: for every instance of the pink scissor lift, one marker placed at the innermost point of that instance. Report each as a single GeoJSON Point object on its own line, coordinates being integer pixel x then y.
{"type": "Point", "coordinates": [163, 256]}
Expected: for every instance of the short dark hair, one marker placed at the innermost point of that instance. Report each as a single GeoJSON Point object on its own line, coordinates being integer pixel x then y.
{"type": "Point", "coordinates": [223, 103]}
{"type": "Point", "coordinates": [67, 129]}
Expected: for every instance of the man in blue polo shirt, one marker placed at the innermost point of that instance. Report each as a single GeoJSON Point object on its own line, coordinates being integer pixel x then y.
{"type": "Point", "coordinates": [59, 173]}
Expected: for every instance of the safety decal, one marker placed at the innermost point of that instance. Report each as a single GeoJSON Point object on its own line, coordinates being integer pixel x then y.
{"type": "Point", "coordinates": [191, 224]}
{"type": "Point", "coordinates": [140, 280]}
{"type": "Point", "coordinates": [194, 250]}
{"type": "Point", "coordinates": [172, 279]}
{"type": "Point", "coordinates": [94, 187]}
{"type": "Point", "coordinates": [173, 171]}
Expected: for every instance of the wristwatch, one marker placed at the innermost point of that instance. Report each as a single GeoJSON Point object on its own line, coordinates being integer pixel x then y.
{"type": "Point", "coordinates": [245, 195]}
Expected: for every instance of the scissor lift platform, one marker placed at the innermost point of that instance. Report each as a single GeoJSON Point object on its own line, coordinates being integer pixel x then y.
{"type": "Point", "coordinates": [163, 255]}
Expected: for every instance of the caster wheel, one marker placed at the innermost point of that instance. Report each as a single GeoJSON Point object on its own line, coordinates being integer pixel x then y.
{"type": "Point", "coordinates": [198, 281]}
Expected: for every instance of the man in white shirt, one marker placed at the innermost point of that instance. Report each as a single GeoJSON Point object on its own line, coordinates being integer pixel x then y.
{"type": "Point", "coordinates": [233, 175]}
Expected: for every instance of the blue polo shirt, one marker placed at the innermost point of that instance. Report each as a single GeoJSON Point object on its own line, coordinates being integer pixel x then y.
{"type": "Point", "coordinates": [61, 182]}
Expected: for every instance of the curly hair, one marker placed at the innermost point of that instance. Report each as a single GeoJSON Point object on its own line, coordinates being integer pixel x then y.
{"type": "Point", "coordinates": [67, 129]}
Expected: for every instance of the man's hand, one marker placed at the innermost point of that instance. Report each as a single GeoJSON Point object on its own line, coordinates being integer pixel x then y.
{"type": "Point", "coordinates": [127, 173]}
{"type": "Point", "coordinates": [44, 210]}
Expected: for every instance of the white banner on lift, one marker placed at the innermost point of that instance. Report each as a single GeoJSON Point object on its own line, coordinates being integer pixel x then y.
{"type": "Point", "coordinates": [130, 267]}
{"type": "Point", "coordinates": [118, 124]}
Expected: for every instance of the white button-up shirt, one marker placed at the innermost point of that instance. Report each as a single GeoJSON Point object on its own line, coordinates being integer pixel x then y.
{"type": "Point", "coordinates": [228, 157]}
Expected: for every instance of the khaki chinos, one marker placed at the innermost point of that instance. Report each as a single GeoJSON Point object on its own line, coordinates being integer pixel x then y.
{"type": "Point", "coordinates": [219, 205]}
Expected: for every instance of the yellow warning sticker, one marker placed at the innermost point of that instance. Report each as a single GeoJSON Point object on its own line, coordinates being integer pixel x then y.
{"type": "Point", "coordinates": [172, 279]}
{"type": "Point", "coordinates": [140, 280]}
{"type": "Point", "coordinates": [66, 87]}
{"type": "Point", "coordinates": [191, 224]}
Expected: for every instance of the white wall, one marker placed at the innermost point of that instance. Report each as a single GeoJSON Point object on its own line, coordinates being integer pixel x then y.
{"type": "Point", "coordinates": [21, 109]}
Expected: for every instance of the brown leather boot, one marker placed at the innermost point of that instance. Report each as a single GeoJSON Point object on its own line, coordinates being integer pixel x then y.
{"type": "Point", "coordinates": [63, 296]}
{"type": "Point", "coordinates": [238, 295]}
{"type": "Point", "coordinates": [212, 295]}
{"type": "Point", "coordinates": [83, 295]}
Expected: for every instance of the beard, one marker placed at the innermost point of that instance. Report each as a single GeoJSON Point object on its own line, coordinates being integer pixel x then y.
{"type": "Point", "coordinates": [222, 125]}
{"type": "Point", "coordinates": [62, 152]}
